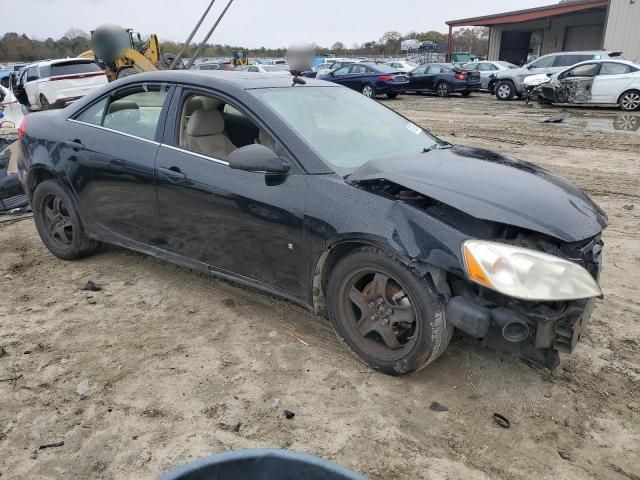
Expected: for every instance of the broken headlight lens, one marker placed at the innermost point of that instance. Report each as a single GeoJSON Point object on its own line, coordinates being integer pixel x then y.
{"type": "Point", "coordinates": [526, 274]}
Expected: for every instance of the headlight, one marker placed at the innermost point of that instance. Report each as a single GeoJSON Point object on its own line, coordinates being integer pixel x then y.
{"type": "Point", "coordinates": [526, 274]}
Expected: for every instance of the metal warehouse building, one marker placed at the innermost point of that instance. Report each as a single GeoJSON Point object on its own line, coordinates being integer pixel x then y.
{"type": "Point", "coordinates": [574, 25]}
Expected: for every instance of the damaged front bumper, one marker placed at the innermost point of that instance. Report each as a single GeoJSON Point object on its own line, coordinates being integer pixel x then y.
{"type": "Point", "coordinates": [536, 331]}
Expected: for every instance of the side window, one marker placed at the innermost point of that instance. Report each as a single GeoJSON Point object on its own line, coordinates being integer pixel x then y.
{"type": "Point", "coordinates": [472, 67]}
{"type": "Point", "coordinates": [341, 71]}
{"type": "Point", "coordinates": [93, 115]}
{"type": "Point", "coordinates": [419, 70]}
{"type": "Point", "coordinates": [136, 113]}
{"type": "Point", "coordinates": [253, 69]}
{"type": "Point", "coordinates": [487, 67]}
{"type": "Point", "coordinates": [544, 62]}
{"type": "Point", "coordinates": [359, 69]}
{"type": "Point", "coordinates": [32, 74]}
{"type": "Point", "coordinates": [610, 68]}
{"type": "Point", "coordinates": [588, 70]}
{"type": "Point", "coordinates": [434, 69]}
{"type": "Point", "coordinates": [211, 127]}
{"type": "Point", "coordinates": [568, 60]}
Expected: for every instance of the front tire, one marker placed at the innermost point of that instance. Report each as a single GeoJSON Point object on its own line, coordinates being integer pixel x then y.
{"type": "Point", "coordinates": [369, 90]}
{"type": "Point", "coordinates": [630, 101]}
{"type": "Point", "coordinates": [58, 222]}
{"type": "Point", "coordinates": [390, 318]}
{"type": "Point", "coordinates": [505, 90]}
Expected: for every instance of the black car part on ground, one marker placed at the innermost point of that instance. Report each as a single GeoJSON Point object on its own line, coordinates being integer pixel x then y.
{"type": "Point", "coordinates": [287, 233]}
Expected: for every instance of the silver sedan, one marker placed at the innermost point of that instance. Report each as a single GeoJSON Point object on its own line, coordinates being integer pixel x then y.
{"type": "Point", "coordinates": [488, 68]}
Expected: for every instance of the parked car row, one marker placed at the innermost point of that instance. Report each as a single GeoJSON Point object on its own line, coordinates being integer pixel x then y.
{"type": "Point", "coordinates": [373, 78]}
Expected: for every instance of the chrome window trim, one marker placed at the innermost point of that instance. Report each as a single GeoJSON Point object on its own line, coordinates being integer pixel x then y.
{"type": "Point", "coordinates": [195, 154]}
{"type": "Point", "coordinates": [100, 127]}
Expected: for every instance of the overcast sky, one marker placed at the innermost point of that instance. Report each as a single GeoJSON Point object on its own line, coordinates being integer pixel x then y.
{"type": "Point", "coordinates": [252, 23]}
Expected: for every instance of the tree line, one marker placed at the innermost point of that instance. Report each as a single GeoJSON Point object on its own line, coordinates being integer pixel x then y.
{"type": "Point", "coordinates": [20, 48]}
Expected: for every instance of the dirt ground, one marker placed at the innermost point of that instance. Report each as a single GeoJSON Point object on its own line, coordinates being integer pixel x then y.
{"type": "Point", "coordinates": [165, 365]}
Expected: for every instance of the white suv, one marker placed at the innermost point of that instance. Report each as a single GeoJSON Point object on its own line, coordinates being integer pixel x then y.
{"type": "Point", "coordinates": [57, 83]}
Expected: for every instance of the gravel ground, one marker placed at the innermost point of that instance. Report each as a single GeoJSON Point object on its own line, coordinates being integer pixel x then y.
{"type": "Point", "coordinates": [165, 365]}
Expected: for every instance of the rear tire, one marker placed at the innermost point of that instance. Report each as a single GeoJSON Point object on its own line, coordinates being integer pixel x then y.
{"type": "Point", "coordinates": [369, 90]}
{"type": "Point", "coordinates": [630, 101]}
{"type": "Point", "coordinates": [505, 90]}
{"type": "Point", "coordinates": [401, 314]}
{"type": "Point", "coordinates": [443, 90]}
{"type": "Point", "coordinates": [58, 222]}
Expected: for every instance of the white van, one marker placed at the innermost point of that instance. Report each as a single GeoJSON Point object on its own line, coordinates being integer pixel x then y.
{"type": "Point", "coordinates": [57, 83]}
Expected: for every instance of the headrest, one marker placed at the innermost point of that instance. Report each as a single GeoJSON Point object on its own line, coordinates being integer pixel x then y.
{"type": "Point", "coordinates": [205, 122]}
{"type": "Point", "coordinates": [120, 105]}
{"type": "Point", "coordinates": [193, 104]}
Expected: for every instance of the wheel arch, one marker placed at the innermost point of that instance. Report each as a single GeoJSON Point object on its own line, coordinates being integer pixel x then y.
{"type": "Point", "coordinates": [629, 90]}
{"type": "Point", "coordinates": [38, 174]}
{"type": "Point", "coordinates": [337, 250]}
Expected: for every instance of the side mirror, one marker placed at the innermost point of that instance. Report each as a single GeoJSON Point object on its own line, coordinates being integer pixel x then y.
{"type": "Point", "coordinates": [257, 158]}
{"type": "Point", "coordinates": [529, 67]}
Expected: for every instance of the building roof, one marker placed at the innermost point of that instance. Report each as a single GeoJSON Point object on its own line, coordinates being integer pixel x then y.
{"type": "Point", "coordinates": [530, 14]}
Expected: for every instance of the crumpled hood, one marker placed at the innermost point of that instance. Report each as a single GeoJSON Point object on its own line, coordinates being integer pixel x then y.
{"type": "Point", "coordinates": [489, 186]}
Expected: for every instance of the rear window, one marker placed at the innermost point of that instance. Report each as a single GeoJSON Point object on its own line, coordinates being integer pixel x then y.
{"type": "Point", "coordinates": [73, 68]}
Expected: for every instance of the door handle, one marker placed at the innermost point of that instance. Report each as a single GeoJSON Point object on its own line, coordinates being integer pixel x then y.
{"type": "Point", "coordinates": [173, 174]}
{"type": "Point", "coordinates": [75, 145]}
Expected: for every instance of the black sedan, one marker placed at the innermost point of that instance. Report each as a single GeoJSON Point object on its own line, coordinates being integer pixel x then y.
{"type": "Point", "coordinates": [443, 79]}
{"type": "Point", "coordinates": [370, 79]}
{"type": "Point", "coordinates": [317, 194]}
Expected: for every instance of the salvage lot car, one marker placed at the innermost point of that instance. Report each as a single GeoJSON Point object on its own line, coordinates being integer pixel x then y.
{"type": "Point", "coordinates": [370, 79]}
{"type": "Point", "coordinates": [509, 83]}
{"type": "Point", "coordinates": [599, 82]}
{"type": "Point", "coordinates": [57, 83]}
{"type": "Point", "coordinates": [443, 79]}
{"type": "Point", "coordinates": [319, 195]}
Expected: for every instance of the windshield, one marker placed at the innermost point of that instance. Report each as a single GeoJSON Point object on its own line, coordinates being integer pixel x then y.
{"type": "Point", "coordinates": [345, 128]}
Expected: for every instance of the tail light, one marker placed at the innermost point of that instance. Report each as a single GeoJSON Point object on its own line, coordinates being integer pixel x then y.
{"type": "Point", "coordinates": [22, 130]}
{"type": "Point", "coordinates": [385, 78]}
{"type": "Point", "coordinates": [461, 75]}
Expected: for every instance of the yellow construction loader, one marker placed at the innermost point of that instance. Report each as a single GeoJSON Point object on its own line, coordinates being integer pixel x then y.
{"type": "Point", "coordinates": [122, 52]}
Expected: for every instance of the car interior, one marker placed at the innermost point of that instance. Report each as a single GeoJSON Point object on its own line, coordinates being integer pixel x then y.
{"type": "Point", "coordinates": [212, 127]}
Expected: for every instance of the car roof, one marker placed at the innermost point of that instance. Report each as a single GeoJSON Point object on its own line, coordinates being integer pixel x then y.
{"type": "Point", "coordinates": [45, 63]}
{"type": "Point", "coordinates": [585, 52]}
{"type": "Point", "coordinates": [606, 60]}
{"type": "Point", "coordinates": [217, 78]}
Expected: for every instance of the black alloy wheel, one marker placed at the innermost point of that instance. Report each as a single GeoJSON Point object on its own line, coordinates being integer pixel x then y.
{"type": "Point", "coordinates": [58, 222]}
{"type": "Point", "coordinates": [443, 90]}
{"type": "Point", "coordinates": [390, 318]}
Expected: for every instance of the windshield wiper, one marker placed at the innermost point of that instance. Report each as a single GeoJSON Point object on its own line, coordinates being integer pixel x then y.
{"type": "Point", "coordinates": [437, 146]}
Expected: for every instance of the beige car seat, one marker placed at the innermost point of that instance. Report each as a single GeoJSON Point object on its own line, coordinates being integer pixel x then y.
{"type": "Point", "coordinates": [205, 134]}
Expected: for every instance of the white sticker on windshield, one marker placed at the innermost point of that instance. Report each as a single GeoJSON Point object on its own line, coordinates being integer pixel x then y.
{"type": "Point", "coordinates": [414, 128]}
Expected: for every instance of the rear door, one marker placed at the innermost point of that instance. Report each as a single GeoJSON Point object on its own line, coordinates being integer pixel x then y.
{"type": "Point", "coordinates": [612, 80]}
{"type": "Point", "coordinates": [417, 78]}
{"type": "Point", "coordinates": [110, 159]}
{"type": "Point", "coordinates": [431, 77]}
{"type": "Point", "coordinates": [31, 85]}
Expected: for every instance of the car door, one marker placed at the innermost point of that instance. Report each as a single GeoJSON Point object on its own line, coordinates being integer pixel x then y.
{"type": "Point", "coordinates": [612, 80]}
{"type": "Point", "coordinates": [236, 222]}
{"type": "Point", "coordinates": [341, 75]}
{"type": "Point", "coordinates": [416, 78]}
{"type": "Point", "coordinates": [109, 157]}
{"type": "Point", "coordinates": [486, 69]}
{"type": "Point", "coordinates": [431, 76]}
{"type": "Point", "coordinates": [31, 85]}
{"type": "Point", "coordinates": [576, 84]}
